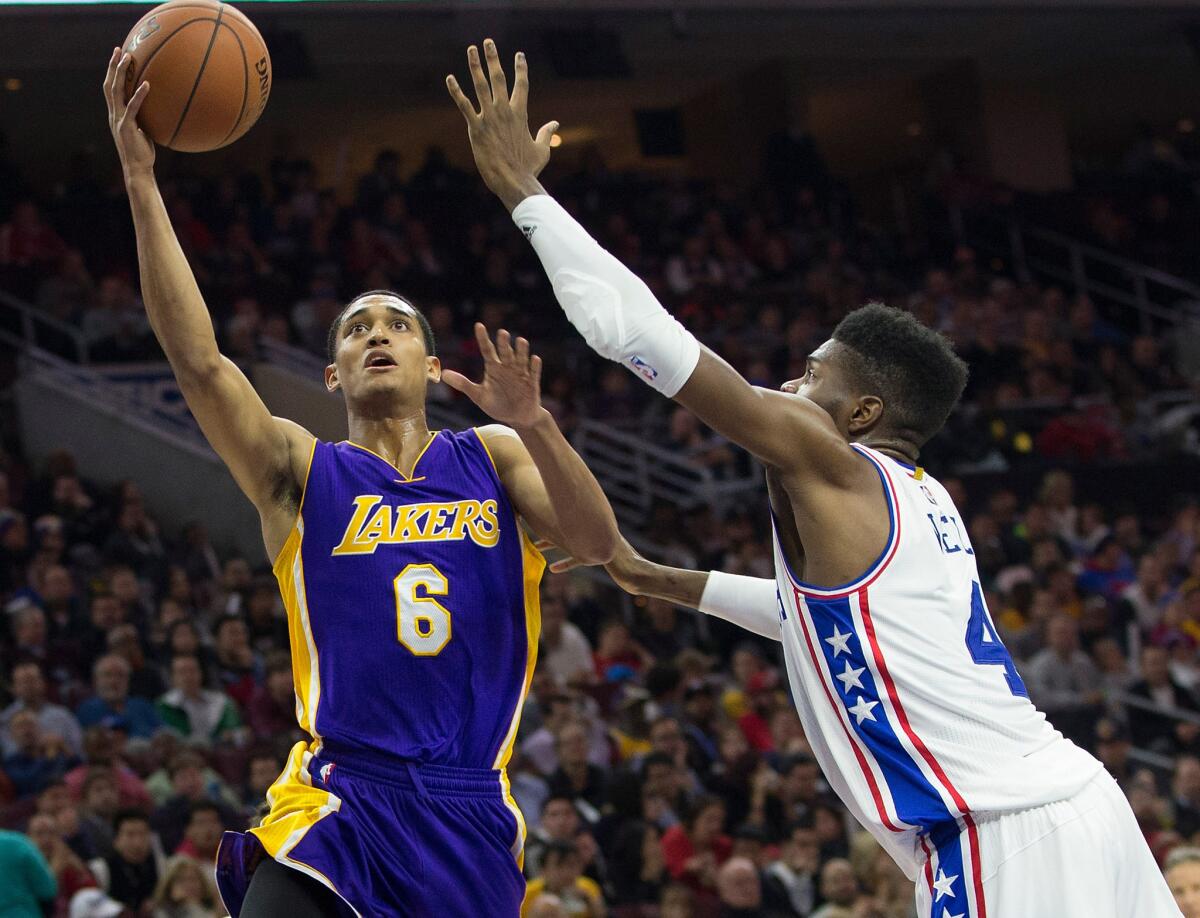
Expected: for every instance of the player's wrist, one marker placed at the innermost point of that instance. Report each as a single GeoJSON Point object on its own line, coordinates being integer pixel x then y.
{"type": "Point", "coordinates": [512, 190]}
{"type": "Point", "coordinates": [538, 422]}
{"type": "Point", "coordinates": [139, 176]}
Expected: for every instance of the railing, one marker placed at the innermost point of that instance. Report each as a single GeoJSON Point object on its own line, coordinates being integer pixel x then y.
{"type": "Point", "coordinates": [88, 385]}
{"type": "Point", "coordinates": [636, 474]}
{"type": "Point", "coordinates": [27, 325]}
{"type": "Point", "coordinates": [1036, 252]}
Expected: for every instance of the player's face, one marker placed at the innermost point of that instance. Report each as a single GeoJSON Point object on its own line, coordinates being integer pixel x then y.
{"type": "Point", "coordinates": [381, 351]}
{"type": "Point", "coordinates": [1184, 880]}
{"type": "Point", "coordinates": [823, 381]}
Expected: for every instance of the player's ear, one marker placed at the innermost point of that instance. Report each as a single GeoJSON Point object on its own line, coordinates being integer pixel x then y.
{"type": "Point", "coordinates": [331, 378]}
{"type": "Point", "coordinates": [866, 413]}
{"type": "Point", "coordinates": [433, 369]}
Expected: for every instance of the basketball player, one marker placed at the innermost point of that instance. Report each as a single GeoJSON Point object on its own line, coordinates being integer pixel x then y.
{"type": "Point", "coordinates": [912, 704]}
{"type": "Point", "coordinates": [410, 586]}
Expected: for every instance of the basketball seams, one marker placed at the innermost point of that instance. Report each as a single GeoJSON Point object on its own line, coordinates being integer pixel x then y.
{"type": "Point", "coordinates": [245, 84]}
{"type": "Point", "coordinates": [212, 40]}
{"type": "Point", "coordinates": [166, 38]}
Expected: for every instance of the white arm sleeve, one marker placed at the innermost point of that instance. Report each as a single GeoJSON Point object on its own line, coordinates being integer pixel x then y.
{"type": "Point", "coordinates": [749, 602]}
{"type": "Point", "coordinates": [607, 303]}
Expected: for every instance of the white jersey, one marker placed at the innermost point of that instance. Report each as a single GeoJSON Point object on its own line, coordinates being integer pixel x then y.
{"type": "Point", "coordinates": [912, 704]}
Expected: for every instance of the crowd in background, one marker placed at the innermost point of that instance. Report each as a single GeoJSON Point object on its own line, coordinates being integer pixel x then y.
{"type": "Point", "coordinates": [147, 686]}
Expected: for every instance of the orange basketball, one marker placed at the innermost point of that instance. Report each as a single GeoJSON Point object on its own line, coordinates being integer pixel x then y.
{"type": "Point", "coordinates": [208, 69]}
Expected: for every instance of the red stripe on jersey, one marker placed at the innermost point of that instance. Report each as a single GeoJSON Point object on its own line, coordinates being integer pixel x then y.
{"type": "Point", "coordinates": [919, 745]}
{"type": "Point", "coordinates": [928, 865]}
{"type": "Point", "coordinates": [862, 762]}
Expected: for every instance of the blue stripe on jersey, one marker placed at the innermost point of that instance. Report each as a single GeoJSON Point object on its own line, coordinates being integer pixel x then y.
{"type": "Point", "coordinates": [917, 801]}
{"type": "Point", "coordinates": [949, 898]}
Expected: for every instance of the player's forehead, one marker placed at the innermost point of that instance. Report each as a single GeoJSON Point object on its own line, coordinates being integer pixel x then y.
{"type": "Point", "coordinates": [826, 353]}
{"type": "Point", "coordinates": [376, 303]}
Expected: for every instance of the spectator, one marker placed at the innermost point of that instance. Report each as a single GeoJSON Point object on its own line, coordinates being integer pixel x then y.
{"type": "Point", "coordinates": [563, 650]}
{"type": "Point", "coordinates": [144, 680]}
{"type": "Point", "coordinates": [29, 693]}
{"type": "Point", "coordinates": [576, 778]}
{"type": "Point", "coordinates": [29, 886]}
{"type": "Point", "coordinates": [1063, 681]}
{"type": "Point", "coordinates": [202, 836]}
{"type": "Point", "coordinates": [1183, 876]}
{"type": "Point", "coordinates": [562, 876]}
{"type": "Point", "coordinates": [236, 668]}
{"type": "Point", "coordinates": [130, 873]}
{"type": "Point", "coordinates": [196, 713]}
{"type": "Point", "coordinates": [68, 869]}
{"type": "Point", "coordinates": [189, 788]}
{"type": "Point", "coordinates": [1160, 731]}
{"type": "Point", "coordinates": [184, 891]}
{"type": "Point", "coordinates": [696, 848]}
{"type": "Point", "coordinates": [791, 880]}
{"type": "Point", "coordinates": [271, 710]}
{"type": "Point", "coordinates": [839, 887]}
{"type": "Point", "coordinates": [1185, 791]}
{"type": "Point", "coordinates": [112, 702]}
{"type": "Point", "coordinates": [37, 759]}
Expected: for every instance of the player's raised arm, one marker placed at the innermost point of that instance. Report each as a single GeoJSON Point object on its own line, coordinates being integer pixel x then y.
{"type": "Point", "coordinates": [612, 308]}
{"type": "Point", "coordinates": [748, 602]}
{"type": "Point", "coordinates": [257, 448]}
{"type": "Point", "coordinates": [546, 480]}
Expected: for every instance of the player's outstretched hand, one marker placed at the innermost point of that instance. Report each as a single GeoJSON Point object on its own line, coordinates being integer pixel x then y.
{"type": "Point", "coordinates": [508, 157]}
{"type": "Point", "coordinates": [133, 146]}
{"type": "Point", "coordinates": [625, 568]}
{"type": "Point", "coordinates": [511, 391]}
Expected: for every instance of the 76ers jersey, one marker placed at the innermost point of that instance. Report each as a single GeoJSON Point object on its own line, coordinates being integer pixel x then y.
{"type": "Point", "coordinates": [412, 604]}
{"type": "Point", "coordinates": [913, 706]}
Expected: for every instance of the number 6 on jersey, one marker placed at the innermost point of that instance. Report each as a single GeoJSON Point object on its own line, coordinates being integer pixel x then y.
{"type": "Point", "coordinates": [422, 623]}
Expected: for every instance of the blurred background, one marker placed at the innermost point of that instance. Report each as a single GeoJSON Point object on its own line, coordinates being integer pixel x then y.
{"type": "Point", "coordinates": [1022, 177]}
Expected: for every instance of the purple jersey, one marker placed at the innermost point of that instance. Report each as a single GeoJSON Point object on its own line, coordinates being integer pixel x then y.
{"type": "Point", "coordinates": [412, 603]}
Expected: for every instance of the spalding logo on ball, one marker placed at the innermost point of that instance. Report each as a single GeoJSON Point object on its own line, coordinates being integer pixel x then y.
{"type": "Point", "coordinates": [208, 69]}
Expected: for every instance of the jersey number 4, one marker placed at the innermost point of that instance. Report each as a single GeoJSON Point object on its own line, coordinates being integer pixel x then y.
{"type": "Point", "coordinates": [422, 623]}
{"type": "Point", "coordinates": [990, 650]}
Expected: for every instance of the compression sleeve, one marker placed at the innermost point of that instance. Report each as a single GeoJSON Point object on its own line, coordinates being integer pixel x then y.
{"type": "Point", "coordinates": [607, 303]}
{"type": "Point", "coordinates": [748, 602]}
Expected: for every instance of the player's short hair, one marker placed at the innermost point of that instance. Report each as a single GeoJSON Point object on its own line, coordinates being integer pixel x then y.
{"type": "Point", "coordinates": [911, 367]}
{"type": "Point", "coordinates": [426, 330]}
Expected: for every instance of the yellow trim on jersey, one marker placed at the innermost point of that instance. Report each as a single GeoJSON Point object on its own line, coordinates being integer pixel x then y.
{"type": "Point", "coordinates": [409, 477]}
{"type": "Point", "coordinates": [533, 564]}
{"type": "Point", "coordinates": [306, 674]}
{"type": "Point", "coordinates": [296, 806]}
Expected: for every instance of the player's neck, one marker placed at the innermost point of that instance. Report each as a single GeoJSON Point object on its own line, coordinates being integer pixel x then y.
{"type": "Point", "coordinates": [399, 439]}
{"type": "Point", "coordinates": [894, 447]}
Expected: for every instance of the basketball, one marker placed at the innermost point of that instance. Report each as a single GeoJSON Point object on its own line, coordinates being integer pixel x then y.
{"type": "Point", "coordinates": [208, 69]}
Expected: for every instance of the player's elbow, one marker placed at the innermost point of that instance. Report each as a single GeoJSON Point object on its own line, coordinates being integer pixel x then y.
{"type": "Point", "coordinates": [597, 548]}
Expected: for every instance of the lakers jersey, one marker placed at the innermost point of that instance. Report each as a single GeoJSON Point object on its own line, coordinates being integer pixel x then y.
{"type": "Point", "coordinates": [912, 704]}
{"type": "Point", "coordinates": [412, 602]}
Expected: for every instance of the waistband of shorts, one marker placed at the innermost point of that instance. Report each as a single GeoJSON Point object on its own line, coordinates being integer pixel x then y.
{"type": "Point", "coordinates": [409, 774]}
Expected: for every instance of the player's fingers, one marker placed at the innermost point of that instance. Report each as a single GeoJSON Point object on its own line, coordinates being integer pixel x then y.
{"type": "Point", "coordinates": [535, 369]}
{"type": "Point", "coordinates": [504, 346]}
{"type": "Point", "coordinates": [461, 100]}
{"type": "Point", "coordinates": [521, 351]}
{"type": "Point", "coordinates": [520, 91]}
{"type": "Point", "coordinates": [118, 88]}
{"type": "Point", "coordinates": [457, 381]}
{"type": "Point", "coordinates": [566, 564]}
{"type": "Point", "coordinates": [544, 134]}
{"type": "Point", "coordinates": [135, 103]}
{"type": "Point", "coordinates": [486, 348]}
{"type": "Point", "coordinates": [544, 545]}
{"type": "Point", "coordinates": [496, 72]}
{"type": "Point", "coordinates": [482, 90]}
{"type": "Point", "coordinates": [110, 72]}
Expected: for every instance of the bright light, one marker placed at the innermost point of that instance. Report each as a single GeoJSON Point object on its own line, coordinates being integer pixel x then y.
{"type": "Point", "coordinates": [12, 84]}
{"type": "Point", "coordinates": [556, 140]}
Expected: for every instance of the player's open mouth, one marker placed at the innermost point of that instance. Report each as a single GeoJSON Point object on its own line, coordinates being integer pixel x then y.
{"type": "Point", "coordinates": [379, 360]}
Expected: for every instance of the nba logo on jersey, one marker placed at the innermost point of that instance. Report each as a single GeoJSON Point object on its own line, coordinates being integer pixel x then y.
{"type": "Point", "coordinates": [326, 771]}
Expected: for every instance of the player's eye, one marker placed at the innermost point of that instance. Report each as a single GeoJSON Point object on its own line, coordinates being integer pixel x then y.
{"type": "Point", "coordinates": [356, 326]}
{"type": "Point", "coordinates": [401, 323]}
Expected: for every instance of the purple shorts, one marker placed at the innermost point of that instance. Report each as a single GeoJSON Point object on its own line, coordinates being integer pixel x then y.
{"type": "Point", "coordinates": [389, 838]}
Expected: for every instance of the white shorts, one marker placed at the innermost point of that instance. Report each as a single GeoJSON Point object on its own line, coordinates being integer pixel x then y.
{"type": "Point", "coordinates": [1080, 858]}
